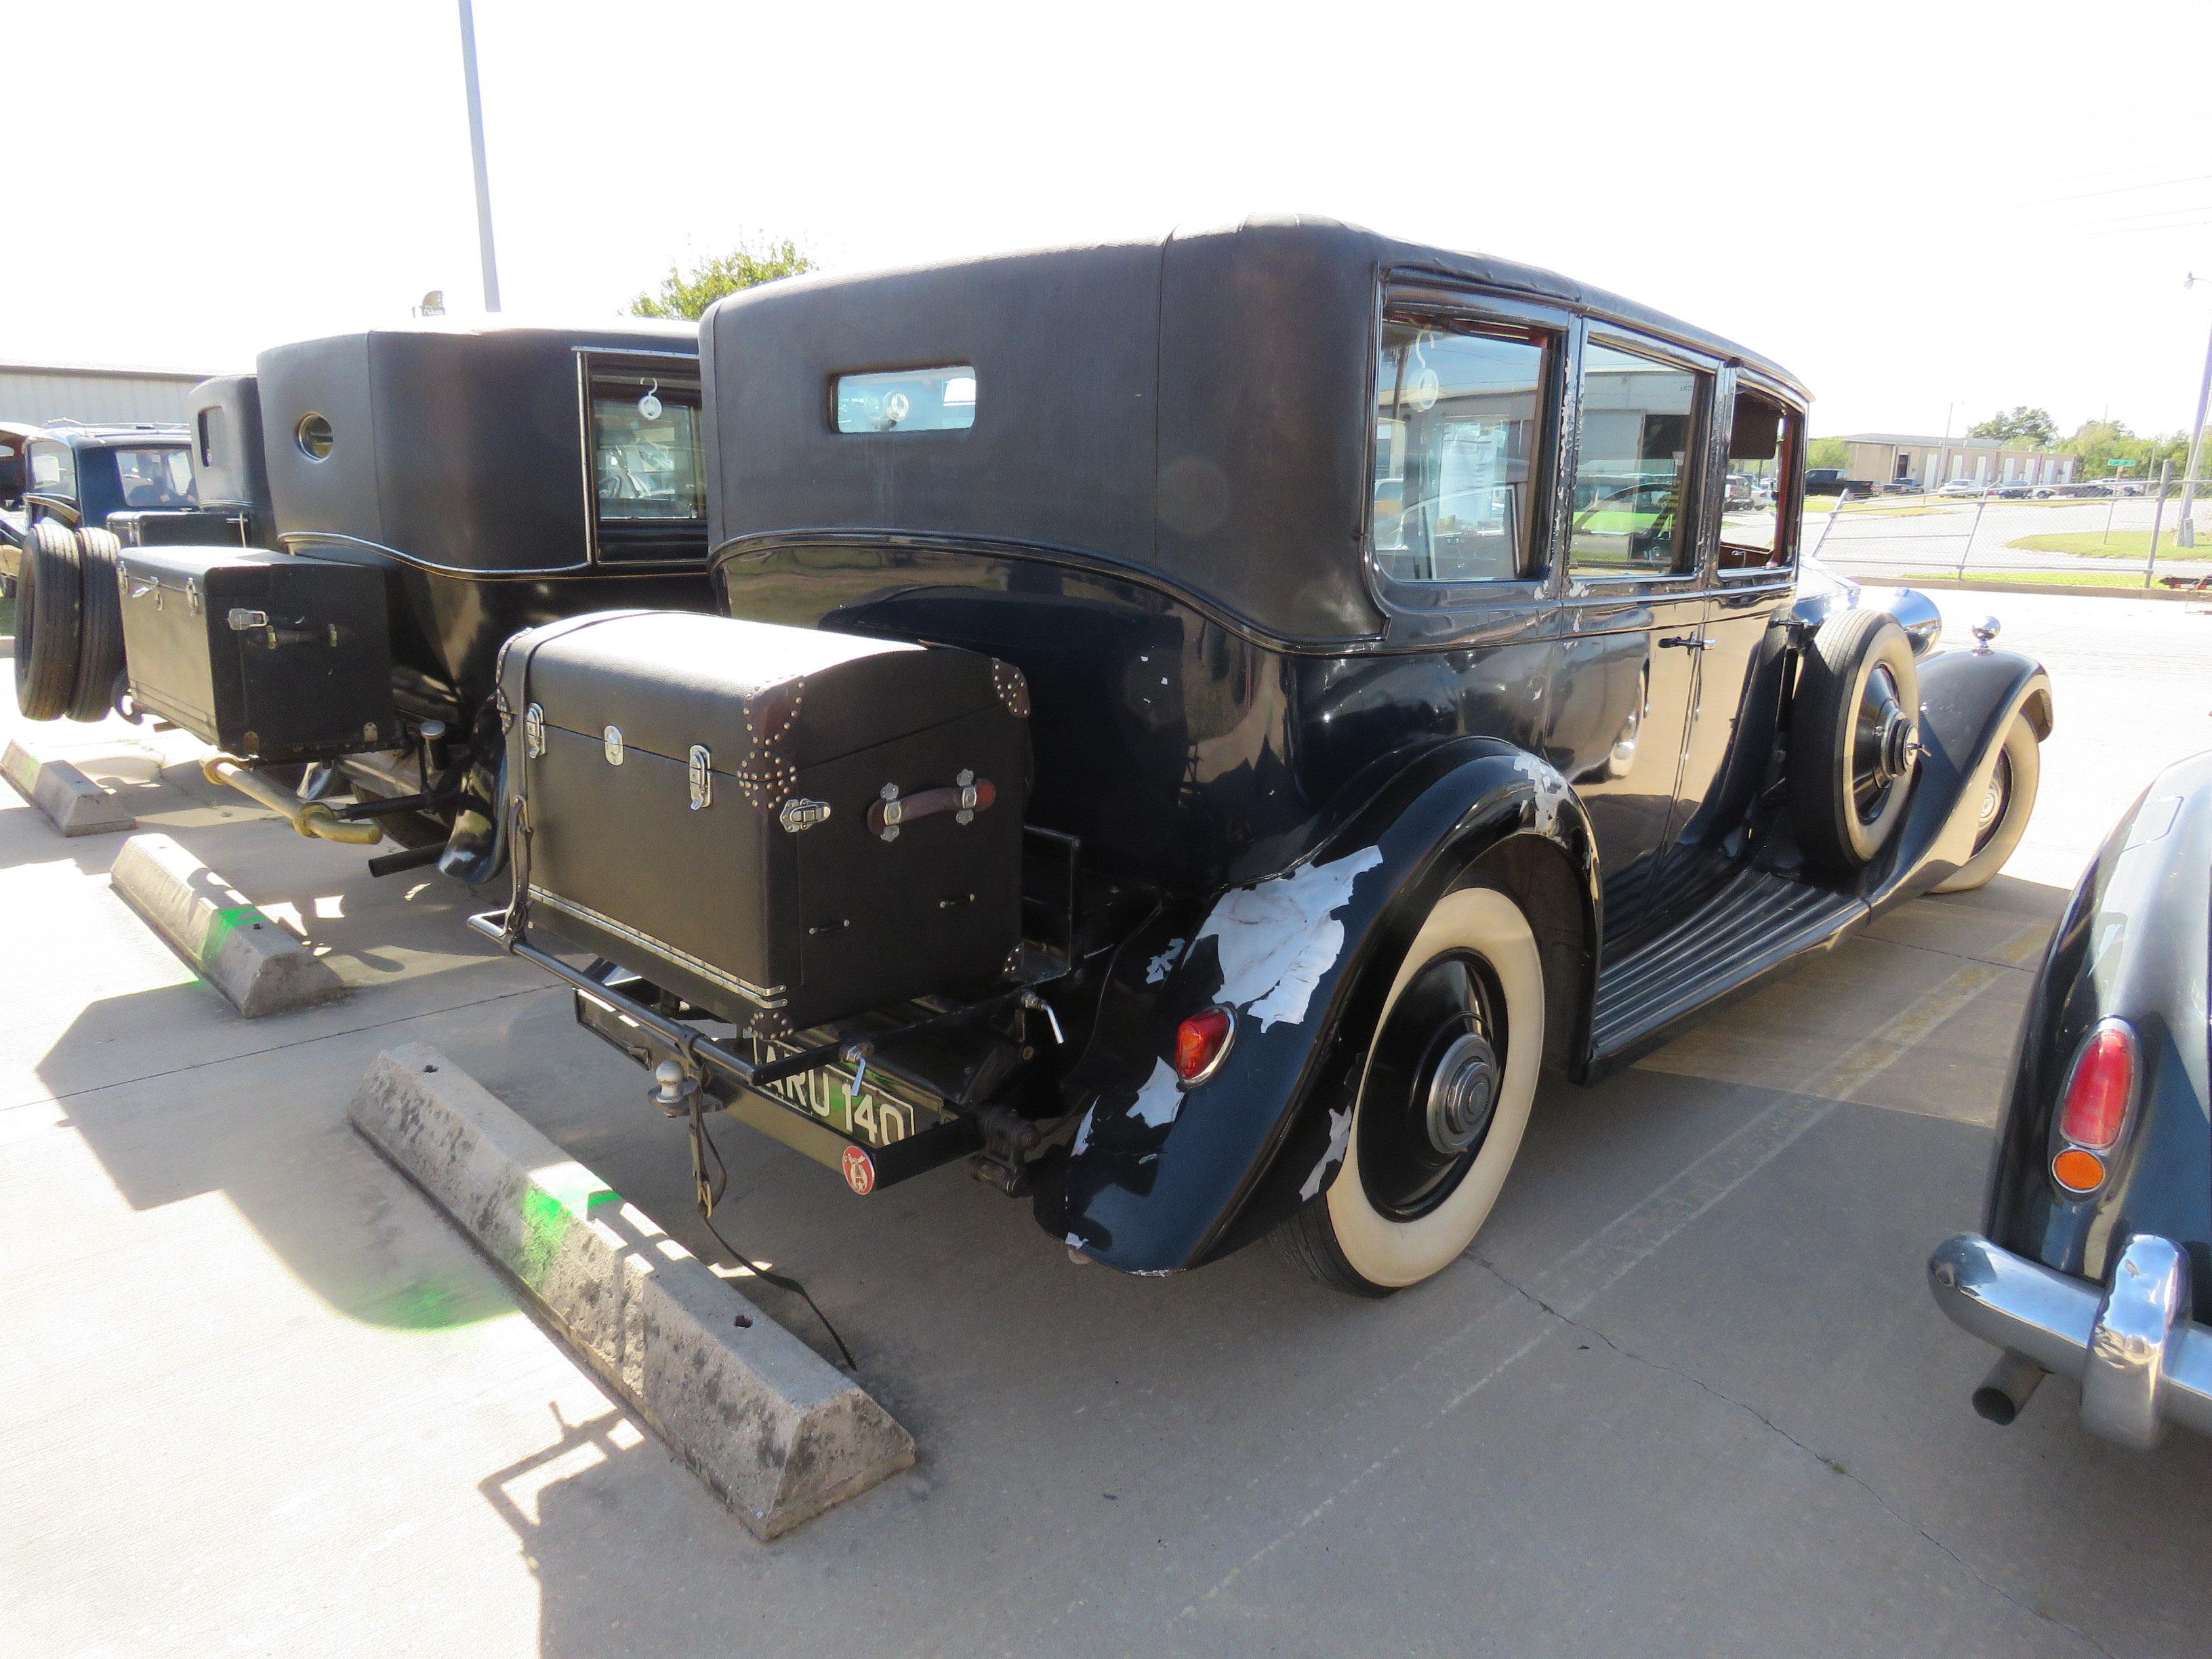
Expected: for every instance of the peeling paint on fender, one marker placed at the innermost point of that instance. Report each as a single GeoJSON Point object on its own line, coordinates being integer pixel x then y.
{"type": "Point", "coordinates": [1339, 1137]}
{"type": "Point", "coordinates": [1551, 791]}
{"type": "Point", "coordinates": [1160, 1099]}
{"type": "Point", "coordinates": [1083, 1132]}
{"type": "Point", "coordinates": [1157, 969]}
{"type": "Point", "coordinates": [1277, 938]}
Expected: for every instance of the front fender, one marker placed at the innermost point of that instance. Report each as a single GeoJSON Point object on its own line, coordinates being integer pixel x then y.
{"type": "Point", "coordinates": [1158, 1177]}
{"type": "Point", "coordinates": [1968, 701]}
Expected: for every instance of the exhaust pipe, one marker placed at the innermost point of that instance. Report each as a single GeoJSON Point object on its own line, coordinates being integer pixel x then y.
{"type": "Point", "coordinates": [309, 818]}
{"type": "Point", "coordinates": [2007, 1389]}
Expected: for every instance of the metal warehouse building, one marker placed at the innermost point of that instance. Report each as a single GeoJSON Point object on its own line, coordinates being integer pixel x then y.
{"type": "Point", "coordinates": [38, 394]}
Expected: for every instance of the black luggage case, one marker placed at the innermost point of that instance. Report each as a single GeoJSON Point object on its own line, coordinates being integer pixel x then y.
{"type": "Point", "coordinates": [782, 825]}
{"type": "Point", "coordinates": [268, 656]}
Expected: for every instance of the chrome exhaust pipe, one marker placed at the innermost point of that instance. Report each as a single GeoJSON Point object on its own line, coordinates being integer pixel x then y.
{"type": "Point", "coordinates": [2005, 1392]}
{"type": "Point", "coordinates": [309, 818]}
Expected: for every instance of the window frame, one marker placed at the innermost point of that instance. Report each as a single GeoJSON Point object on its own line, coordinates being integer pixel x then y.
{"type": "Point", "coordinates": [1790, 475]}
{"type": "Point", "coordinates": [1700, 453]}
{"type": "Point", "coordinates": [677, 371]}
{"type": "Point", "coordinates": [1428, 609]}
{"type": "Point", "coordinates": [70, 492]}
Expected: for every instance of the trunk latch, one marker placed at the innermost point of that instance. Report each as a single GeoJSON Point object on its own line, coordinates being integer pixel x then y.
{"type": "Point", "coordinates": [702, 770]}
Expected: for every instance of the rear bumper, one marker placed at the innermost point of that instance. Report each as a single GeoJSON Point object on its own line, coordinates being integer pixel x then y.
{"type": "Point", "coordinates": [2141, 1361]}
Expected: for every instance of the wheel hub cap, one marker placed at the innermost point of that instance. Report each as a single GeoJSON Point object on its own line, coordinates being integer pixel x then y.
{"type": "Point", "coordinates": [1462, 1093]}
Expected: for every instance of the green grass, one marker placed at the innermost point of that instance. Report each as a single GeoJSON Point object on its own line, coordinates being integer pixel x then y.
{"type": "Point", "coordinates": [2096, 544]}
{"type": "Point", "coordinates": [7, 616]}
{"type": "Point", "coordinates": [2029, 578]}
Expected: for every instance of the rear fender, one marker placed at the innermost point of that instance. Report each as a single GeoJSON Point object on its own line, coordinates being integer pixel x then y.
{"type": "Point", "coordinates": [1968, 701]}
{"type": "Point", "coordinates": [1158, 1177]}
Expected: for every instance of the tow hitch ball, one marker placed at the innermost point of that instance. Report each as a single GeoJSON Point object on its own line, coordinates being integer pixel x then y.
{"type": "Point", "coordinates": [674, 1088]}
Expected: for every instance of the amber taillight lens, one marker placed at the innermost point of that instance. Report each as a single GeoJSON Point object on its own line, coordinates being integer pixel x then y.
{"type": "Point", "coordinates": [1200, 1041]}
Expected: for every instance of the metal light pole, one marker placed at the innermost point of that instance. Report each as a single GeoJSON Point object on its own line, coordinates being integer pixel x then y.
{"type": "Point", "coordinates": [2185, 533]}
{"type": "Point", "coordinates": [477, 152]}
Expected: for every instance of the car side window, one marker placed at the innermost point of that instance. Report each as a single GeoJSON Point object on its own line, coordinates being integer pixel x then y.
{"type": "Point", "coordinates": [54, 469]}
{"type": "Point", "coordinates": [1763, 437]}
{"type": "Point", "coordinates": [1458, 419]}
{"type": "Point", "coordinates": [1640, 418]}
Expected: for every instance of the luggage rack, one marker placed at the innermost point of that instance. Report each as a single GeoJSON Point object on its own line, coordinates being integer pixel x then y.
{"type": "Point", "coordinates": [686, 1061]}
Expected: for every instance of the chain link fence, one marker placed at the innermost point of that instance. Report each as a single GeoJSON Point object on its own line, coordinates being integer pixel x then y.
{"type": "Point", "coordinates": [2154, 537]}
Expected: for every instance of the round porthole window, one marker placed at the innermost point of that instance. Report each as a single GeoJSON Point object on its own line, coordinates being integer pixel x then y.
{"type": "Point", "coordinates": [315, 438]}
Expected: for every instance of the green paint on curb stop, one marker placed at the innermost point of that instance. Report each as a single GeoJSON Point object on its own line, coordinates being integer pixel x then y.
{"type": "Point", "coordinates": [224, 923]}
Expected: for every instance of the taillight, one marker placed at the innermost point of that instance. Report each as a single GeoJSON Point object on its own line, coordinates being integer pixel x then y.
{"type": "Point", "coordinates": [2100, 1090]}
{"type": "Point", "coordinates": [1200, 1041]}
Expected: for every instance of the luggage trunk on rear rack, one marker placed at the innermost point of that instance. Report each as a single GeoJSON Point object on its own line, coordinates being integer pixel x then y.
{"type": "Point", "coordinates": [267, 656]}
{"type": "Point", "coordinates": [784, 826]}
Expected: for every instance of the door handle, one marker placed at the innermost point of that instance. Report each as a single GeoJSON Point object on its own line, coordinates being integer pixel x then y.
{"type": "Point", "coordinates": [1691, 642]}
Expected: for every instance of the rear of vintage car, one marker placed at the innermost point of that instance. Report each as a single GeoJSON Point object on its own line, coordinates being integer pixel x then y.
{"type": "Point", "coordinates": [2096, 1257]}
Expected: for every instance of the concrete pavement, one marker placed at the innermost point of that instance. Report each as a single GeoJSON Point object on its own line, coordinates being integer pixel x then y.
{"type": "Point", "coordinates": [1689, 1396]}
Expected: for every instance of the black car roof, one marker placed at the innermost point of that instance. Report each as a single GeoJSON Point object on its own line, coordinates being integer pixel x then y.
{"type": "Point", "coordinates": [146, 435]}
{"type": "Point", "coordinates": [1196, 405]}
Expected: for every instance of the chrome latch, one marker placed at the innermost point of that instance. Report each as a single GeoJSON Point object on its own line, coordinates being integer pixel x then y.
{"type": "Point", "coordinates": [612, 738]}
{"type": "Point", "coordinates": [702, 770]}
{"type": "Point", "coordinates": [192, 595]}
{"type": "Point", "coordinates": [796, 814]}
{"type": "Point", "coordinates": [967, 813]}
{"type": "Point", "coordinates": [533, 731]}
{"type": "Point", "coordinates": [243, 621]}
{"type": "Point", "coordinates": [893, 812]}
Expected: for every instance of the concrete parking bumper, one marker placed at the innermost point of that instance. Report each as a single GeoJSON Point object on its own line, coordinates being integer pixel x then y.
{"type": "Point", "coordinates": [72, 802]}
{"type": "Point", "coordinates": [775, 1432]}
{"type": "Point", "coordinates": [250, 958]}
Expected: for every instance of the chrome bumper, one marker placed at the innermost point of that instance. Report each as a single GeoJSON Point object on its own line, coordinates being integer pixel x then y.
{"type": "Point", "coordinates": [2141, 1359]}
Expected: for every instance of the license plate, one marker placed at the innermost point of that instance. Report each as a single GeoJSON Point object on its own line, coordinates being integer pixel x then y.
{"type": "Point", "coordinates": [880, 1114]}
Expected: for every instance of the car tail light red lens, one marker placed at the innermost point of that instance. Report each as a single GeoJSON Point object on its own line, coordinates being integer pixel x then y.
{"type": "Point", "coordinates": [1200, 1041]}
{"type": "Point", "coordinates": [2100, 1088]}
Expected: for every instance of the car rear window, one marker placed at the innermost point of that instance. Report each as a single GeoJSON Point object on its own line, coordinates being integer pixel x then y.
{"type": "Point", "coordinates": [941, 399]}
{"type": "Point", "coordinates": [155, 478]}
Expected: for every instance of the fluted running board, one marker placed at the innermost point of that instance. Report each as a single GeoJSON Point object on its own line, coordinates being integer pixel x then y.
{"type": "Point", "coordinates": [1753, 924]}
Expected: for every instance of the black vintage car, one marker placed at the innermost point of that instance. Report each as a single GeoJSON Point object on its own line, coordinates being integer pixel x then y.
{"type": "Point", "coordinates": [1402, 715]}
{"type": "Point", "coordinates": [408, 497]}
{"type": "Point", "coordinates": [2095, 1257]}
{"type": "Point", "coordinates": [80, 488]}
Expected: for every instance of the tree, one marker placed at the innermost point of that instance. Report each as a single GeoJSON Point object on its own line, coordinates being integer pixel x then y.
{"type": "Point", "coordinates": [1829, 453]}
{"type": "Point", "coordinates": [2019, 425]}
{"type": "Point", "coordinates": [689, 292]}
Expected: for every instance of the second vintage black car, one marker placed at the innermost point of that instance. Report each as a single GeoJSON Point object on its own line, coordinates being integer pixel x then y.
{"type": "Point", "coordinates": [401, 500]}
{"type": "Point", "coordinates": [1388, 704]}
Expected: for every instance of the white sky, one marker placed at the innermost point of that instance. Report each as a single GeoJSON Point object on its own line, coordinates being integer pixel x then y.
{"type": "Point", "coordinates": [1870, 192]}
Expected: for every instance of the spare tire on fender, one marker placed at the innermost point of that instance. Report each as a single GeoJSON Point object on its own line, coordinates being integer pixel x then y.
{"type": "Point", "coordinates": [49, 603]}
{"type": "Point", "coordinates": [100, 649]}
{"type": "Point", "coordinates": [1854, 738]}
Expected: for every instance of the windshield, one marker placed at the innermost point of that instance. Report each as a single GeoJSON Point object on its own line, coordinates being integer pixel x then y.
{"type": "Point", "coordinates": [155, 478]}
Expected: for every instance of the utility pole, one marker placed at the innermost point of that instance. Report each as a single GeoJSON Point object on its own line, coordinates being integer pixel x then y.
{"type": "Point", "coordinates": [2185, 533]}
{"type": "Point", "coordinates": [476, 151]}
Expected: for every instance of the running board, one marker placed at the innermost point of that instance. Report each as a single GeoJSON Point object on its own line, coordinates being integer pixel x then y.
{"type": "Point", "coordinates": [1753, 926]}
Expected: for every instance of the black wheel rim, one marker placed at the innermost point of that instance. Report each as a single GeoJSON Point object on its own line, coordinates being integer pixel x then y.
{"type": "Point", "coordinates": [1433, 1081]}
{"type": "Point", "coordinates": [1884, 744]}
{"type": "Point", "coordinates": [1995, 802]}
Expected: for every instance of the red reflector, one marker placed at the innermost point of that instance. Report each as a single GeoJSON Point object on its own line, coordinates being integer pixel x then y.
{"type": "Point", "coordinates": [2103, 1082]}
{"type": "Point", "coordinates": [1200, 1041]}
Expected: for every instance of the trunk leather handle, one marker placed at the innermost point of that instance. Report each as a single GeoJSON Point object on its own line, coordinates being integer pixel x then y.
{"type": "Point", "coordinates": [967, 796]}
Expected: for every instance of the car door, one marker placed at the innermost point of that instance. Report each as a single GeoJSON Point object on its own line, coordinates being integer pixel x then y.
{"type": "Point", "coordinates": [1736, 686]}
{"type": "Point", "coordinates": [1633, 601]}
